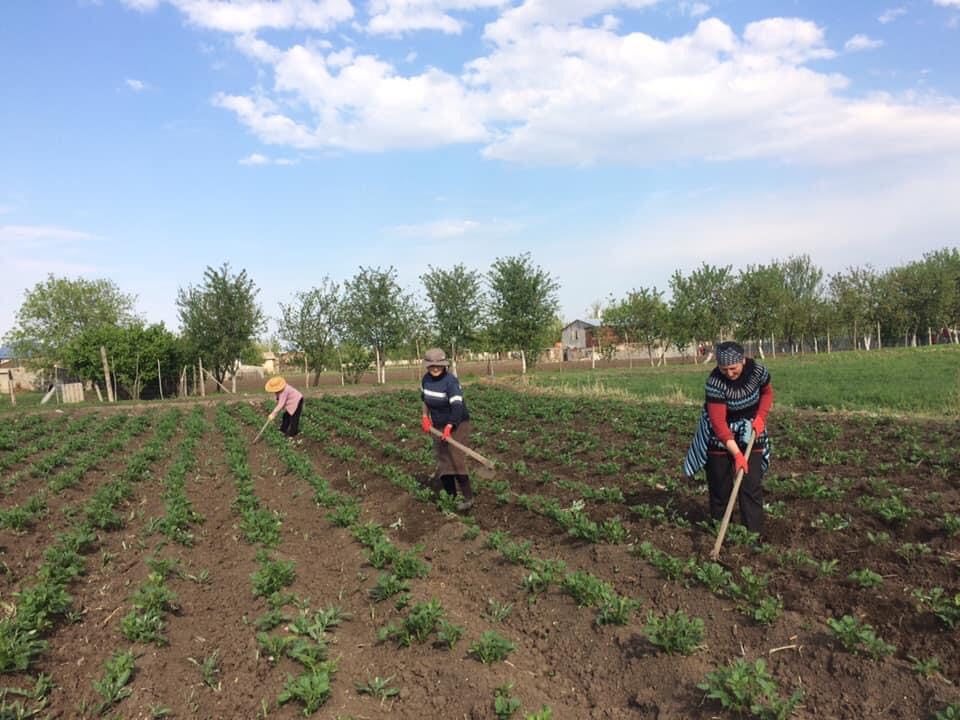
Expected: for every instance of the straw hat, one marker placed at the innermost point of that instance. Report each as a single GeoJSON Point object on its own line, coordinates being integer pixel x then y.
{"type": "Point", "coordinates": [435, 356]}
{"type": "Point", "coordinates": [276, 384]}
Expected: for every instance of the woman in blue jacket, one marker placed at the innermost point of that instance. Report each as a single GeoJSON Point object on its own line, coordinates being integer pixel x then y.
{"type": "Point", "coordinates": [443, 407]}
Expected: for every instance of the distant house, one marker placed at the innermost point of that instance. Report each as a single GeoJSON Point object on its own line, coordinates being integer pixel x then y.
{"type": "Point", "coordinates": [269, 362]}
{"type": "Point", "coordinates": [13, 371]}
{"type": "Point", "coordinates": [579, 334]}
{"type": "Point", "coordinates": [582, 334]}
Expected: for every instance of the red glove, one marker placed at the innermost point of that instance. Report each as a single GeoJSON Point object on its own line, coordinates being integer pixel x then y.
{"type": "Point", "coordinates": [447, 432]}
{"type": "Point", "coordinates": [740, 462]}
{"type": "Point", "coordinates": [759, 425]}
{"type": "Point", "coordinates": [425, 423]}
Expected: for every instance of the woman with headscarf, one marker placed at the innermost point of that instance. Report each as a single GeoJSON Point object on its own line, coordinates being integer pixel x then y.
{"type": "Point", "coordinates": [443, 407]}
{"type": "Point", "coordinates": [739, 396]}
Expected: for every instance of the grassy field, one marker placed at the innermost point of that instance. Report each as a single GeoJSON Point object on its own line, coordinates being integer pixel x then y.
{"type": "Point", "coordinates": [922, 380]}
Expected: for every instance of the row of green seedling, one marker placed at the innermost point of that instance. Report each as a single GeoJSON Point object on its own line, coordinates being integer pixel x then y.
{"type": "Point", "coordinates": [40, 606]}
{"type": "Point", "coordinates": [179, 516]}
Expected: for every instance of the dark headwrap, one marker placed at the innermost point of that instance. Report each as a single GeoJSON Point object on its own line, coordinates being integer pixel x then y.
{"type": "Point", "coordinates": [729, 353]}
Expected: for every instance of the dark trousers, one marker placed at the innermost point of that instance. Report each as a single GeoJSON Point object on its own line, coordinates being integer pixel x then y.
{"type": "Point", "coordinates": [290, 424]}
{"type": "Point", "coordinates": [720, 476]}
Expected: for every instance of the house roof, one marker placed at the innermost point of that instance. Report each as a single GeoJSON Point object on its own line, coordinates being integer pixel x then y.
{"type": "Point", "coordinates": [589, 323]}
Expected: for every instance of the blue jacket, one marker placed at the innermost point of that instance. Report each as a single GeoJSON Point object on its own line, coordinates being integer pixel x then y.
{"type": "Point", "coordinates": [444, 398]}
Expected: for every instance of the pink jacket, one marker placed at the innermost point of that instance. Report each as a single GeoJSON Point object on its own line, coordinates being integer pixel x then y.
{"type": "Point", "coordinates": [288, 399]}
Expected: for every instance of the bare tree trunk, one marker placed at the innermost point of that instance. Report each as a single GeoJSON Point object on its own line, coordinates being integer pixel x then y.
{"type": "Point", "coordinates": [203, 382]}
{"type": "Point", "coordinates": [453, 356]}
{"type": "Point", "coordinates": [879, 341]}
{"type": "Point", "coordinates": [13, 395]}
{"type": "Point", "coordinates": [106, 374]}
{"type": "Point", "coordinates": [306, 372]}
{"type": "Point", "coordinates": [377, 350]}
{"type": "Point", "coordinates": [136, 379]}
{"type": "Point", "coordinates": [773, 346]}
{"type": "Point", "coordinates": [523, 363]}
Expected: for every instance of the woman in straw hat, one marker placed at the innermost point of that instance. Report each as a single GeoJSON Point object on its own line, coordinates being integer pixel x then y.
{"type": "Point", "coordinates": [290, 400]}
{"type": "Point", "coordinates": [443, 407]}
{"type": "Point", "coordinates": [738, 397]}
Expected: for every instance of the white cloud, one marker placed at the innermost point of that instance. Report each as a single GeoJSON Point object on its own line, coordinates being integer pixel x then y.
{"type": "Point", "coordinates": [251, 15]}
{"type": "Point", "coordinates": [33, 233]}
{"type": "Point", "coordinates": [394, 17]}
{"type": "Point", "coordinates": [891, 14]}
{"type": "Point", "coordinates": [260, 159]}
{"type": "Point", "coordinates": [861, 42]}
{"type": "Point", "coordinates": [142, 5]}
{"type": "Point", "coordinates": [135, 85]}
{"type": "Point", "coordinates": [435, 230]}
{"type": "Point", "coordinates": [947, 3]}
{"type": "Point", "coordinates": [553, 90]}
{"type": "Point", "coordinates": [255, 159]}
{"type": "Point", "coordinates": [694, 9]}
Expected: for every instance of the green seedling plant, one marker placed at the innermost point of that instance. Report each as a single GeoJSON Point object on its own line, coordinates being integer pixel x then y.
{"type": "Point", "coordinates": [491, 647]}
{"type": "Point", "coordinates": [950, 524]}
{"type": "Point", "coordinates": [544, 713]}
{"type": "Point", "coordinates": [945, 606]}
{"type": "Point", "coordinates": [209, 670]}
{"type": "Point", "coordinates": [865, 578]}
{"type": "Point", "coordinates": [857, 637]}
{"type": "Point", "coordinates": [950, 712]}
{"type": "Point", "coordinates": [112, 687]}
{"type": "Point", "coordinates": [504, 705]}
{"type": "Point", "coordinates": [448, 634]}
{"type": "Point", "coordinates": [926, 667]}
{"type": "Point", "coordinates": [749, 690]}
{"type": "Point", "coordinates": [387, 586]}
{"type": "Point", "coordinates": [497, 611]}
{"type": "Point", "coordinates": [675, 632]}
{"type": "Point", "coordinates": [272, 576]}
{"type": "Point", "coordinates": [419, 624]}
{"type": "Point", "coordinates": [312, 689]}
{"type": "Point", "coordinates": [378, 687]}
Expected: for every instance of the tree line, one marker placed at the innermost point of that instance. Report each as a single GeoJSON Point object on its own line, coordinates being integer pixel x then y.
{"type": "Point", "coordinates": [369, 318]}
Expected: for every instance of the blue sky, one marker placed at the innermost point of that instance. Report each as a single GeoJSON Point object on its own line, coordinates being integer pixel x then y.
{"type": "Point", "coordinates": [617, 142]}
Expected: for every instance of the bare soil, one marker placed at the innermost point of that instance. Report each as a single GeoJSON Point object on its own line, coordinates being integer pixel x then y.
{"type": "Point", "coordinates": [562, 659]}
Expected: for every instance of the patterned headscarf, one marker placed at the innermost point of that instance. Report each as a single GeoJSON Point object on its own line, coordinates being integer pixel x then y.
{"type": "Point", "coordinates": [729, 353]}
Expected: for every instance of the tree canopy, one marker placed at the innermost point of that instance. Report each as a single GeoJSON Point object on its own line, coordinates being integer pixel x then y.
{"type": "Point", "coordinates": [59, 309]}
{"type": "Point", "coordinates": [523, 304]}
{"type": "Point", "coordinates": [456, 303]}
{"type": "Point", "coordinates": [311, 323]}
{"type": "Point", "coordinates": [377, 313]}
{"type": "Point", "coordinates": [220, 318]}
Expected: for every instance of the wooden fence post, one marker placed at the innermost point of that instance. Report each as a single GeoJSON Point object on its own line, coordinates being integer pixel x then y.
{"type": "Point", "coordinates": [203, 381]}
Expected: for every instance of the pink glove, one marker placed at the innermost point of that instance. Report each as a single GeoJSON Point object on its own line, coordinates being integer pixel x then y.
{"type": "Point", "coordinates": [447, 432]}
{"type": "Point", "coordinates": [425, 423]}
{"type": "Point", "coordinates": [740, 463]}
{"type": "Point", "coordinates": [759, 425]}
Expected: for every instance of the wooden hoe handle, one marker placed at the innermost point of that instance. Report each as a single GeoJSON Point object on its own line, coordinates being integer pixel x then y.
{"type": "Point", "coordinates": [460, 446]}
{"type": "Point", "coordinates": [715, 553]}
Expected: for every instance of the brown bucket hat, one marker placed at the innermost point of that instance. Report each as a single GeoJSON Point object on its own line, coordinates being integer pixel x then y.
{"type": "Point", "coordinates": [435, 356]}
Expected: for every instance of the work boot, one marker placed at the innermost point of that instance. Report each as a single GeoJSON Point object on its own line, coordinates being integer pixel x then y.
{"type": "Point", "coordinates": [466, 492]}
